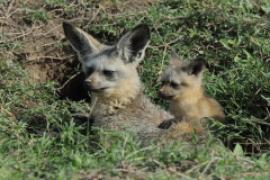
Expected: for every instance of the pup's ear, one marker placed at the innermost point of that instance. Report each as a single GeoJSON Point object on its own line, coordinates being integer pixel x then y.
{"type": "Point", "coordinates": [175, 60]}
{"type": "Point", "coordinates": [81, 42]}
{"type": "Point", "coordinates": [132, 45]}
{"type": "Point", "coordinates": [196, 67]}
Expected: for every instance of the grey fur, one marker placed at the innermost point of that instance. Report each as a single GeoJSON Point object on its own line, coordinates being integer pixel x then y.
{"type": "Point", "coordinates": [120, 103]}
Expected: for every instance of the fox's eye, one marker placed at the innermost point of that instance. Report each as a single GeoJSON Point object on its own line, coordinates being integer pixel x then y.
{"type": "Point", "coordinates": [108, 73]}
{"type": "Point", "coordinates": [174, 85]}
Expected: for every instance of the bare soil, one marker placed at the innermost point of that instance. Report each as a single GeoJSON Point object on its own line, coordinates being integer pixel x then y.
{"type": "Point", "coordinates": [40, 46]}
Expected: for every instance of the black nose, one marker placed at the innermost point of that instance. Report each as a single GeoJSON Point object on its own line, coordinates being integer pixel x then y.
{"type": "Point", "coordinates": [164, 96]}
{"type": "Point", "coordinates": [160, 94]}
{"type": "Point", "coordinates": [87, 86]}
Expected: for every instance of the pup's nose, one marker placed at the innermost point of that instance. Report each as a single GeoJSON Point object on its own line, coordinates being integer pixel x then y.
{"type": "Point", "coordinates": [161, 94]}
{"type": "Point", "coordinates": [164, 96]}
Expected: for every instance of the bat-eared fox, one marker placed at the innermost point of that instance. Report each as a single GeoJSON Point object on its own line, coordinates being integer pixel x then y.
{"type": "Point", "coordinates": [182, 86]}
{"type": "Point", "coordinates": [112, 77]}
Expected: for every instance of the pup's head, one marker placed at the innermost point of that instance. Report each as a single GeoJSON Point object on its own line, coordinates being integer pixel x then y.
{"type": "Point", "coordinates": [110, 70]}
{"type": "Point", "coordinates": [181, 77]}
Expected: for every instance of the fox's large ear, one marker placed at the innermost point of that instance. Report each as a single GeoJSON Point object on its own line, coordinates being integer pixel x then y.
{"type": "Point", "coordinates": [81, 42]}
{"type": "Point", "coordinates": [196, 67]}
{"type": "Point", "coordinates": [132, 45]}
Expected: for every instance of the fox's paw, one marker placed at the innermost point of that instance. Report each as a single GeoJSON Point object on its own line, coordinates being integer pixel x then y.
{"type": "Point", "coordinates": [166, 124]}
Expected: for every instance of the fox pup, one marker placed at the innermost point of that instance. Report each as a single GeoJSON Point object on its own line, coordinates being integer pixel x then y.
{"type": "Point", "coordinates": [113, 80]}
{"type": "Point", "coordinates": [182, 85]}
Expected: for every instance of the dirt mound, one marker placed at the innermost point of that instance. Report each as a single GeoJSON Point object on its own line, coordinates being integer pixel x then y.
{"type": "Point", "coordinates": [36, 45]}
{"type": "Point", "coordinates": [31, 34]}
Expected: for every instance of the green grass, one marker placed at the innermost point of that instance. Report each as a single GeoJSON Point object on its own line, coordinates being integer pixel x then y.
{"type": "Point", "coordinates": [40, 139]}
{"type": "Point", "coordinates": [36, 15]}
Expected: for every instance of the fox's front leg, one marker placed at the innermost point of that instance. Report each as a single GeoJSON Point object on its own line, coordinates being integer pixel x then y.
{"type": "Point", "coordinates": [168, 123]}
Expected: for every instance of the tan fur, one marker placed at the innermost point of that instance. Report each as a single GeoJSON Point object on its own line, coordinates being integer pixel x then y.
{"type": "Point", "coordinates": [138, 115]}
{"type": "Point", "coordinates": [121, 95]}
{"type": "Point", "coordinates": [188, 103]}
{"type": "Point", "coordinates": [126, 89]}
{"type": "Point", "coordinates": [119, 104]}
{"type": "Point", "coordinates": [192, 103]}
{"type": "Point", "coordinates": [182, 130]}
{"type": "Point", "coordinates": [124, 107]}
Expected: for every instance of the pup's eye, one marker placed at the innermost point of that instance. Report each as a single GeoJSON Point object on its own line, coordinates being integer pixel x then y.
{"type": "Point", "coordinates": [108, 73]}
{"type": "Point", "coordinates": [174, 85]}
{"type": "Point", "coordinates": [162, 83]}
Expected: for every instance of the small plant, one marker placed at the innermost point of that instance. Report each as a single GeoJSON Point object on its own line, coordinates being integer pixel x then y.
{"type": "Point", "coordinates": [38, 15]}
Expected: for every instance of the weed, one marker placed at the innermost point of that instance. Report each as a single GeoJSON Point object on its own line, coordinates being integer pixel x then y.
{"type": "Point", "coordinates": [38, 15]}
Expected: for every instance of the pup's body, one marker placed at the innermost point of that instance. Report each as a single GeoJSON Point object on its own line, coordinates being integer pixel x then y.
{"type": "Point", "coordinates": [111, 76]}
{"type": "Point", "coordinates": [182, 84]}
{"type": "Point", "coordinates": [195, 104]}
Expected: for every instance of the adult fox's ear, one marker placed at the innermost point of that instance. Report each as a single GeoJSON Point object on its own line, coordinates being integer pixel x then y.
{"type": "Point", "coordinates": [82, 42]}
{"type": "Point", "coordinates": [196, 67]}
{"type": "Point", "coordinates": [132, 45]}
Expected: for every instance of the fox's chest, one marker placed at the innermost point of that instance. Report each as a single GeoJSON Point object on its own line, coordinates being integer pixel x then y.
{"type": "Point", "coordinates": [135, 121]}
{"type": "Point", "coordinates": [136, 116]}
